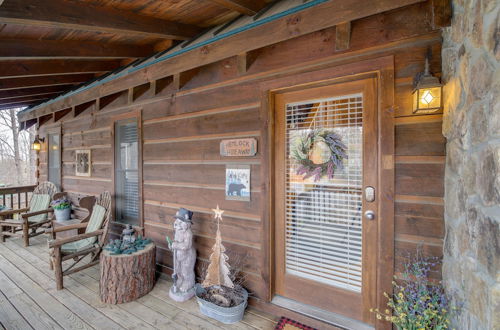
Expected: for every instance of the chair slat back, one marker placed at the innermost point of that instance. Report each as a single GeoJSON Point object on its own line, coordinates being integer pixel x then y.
{"type": "Point", "coordinates": [104, 200]}
{"type": "Point", "coordinates": [46, 188]}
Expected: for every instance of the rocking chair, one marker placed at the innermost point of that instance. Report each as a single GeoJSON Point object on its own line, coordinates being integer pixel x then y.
{"type": "Point", "coordinates": [78, 247]}
{"type": "Point", "coordinates": [32, 218]}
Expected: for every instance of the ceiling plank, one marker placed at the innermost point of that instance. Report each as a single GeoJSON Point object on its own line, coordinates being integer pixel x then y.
{"type": "Point", "coordinates": [10, 94]}
{"type": "Point", "coordinates": [316, 18]}
{"type": "Point", "coordinates": [84, 17]}
{"type": "Point", "coordinates": [29, 68]}
{"type": "Point", "coordinates": [246, 7]}
{"type": "Point", "coordinates": [27, 99]}
{"type": "Point", "coordinates": [17, 105]}
{"type": "Point", "coordinates": [44, 81]}
{"type": "Point", "coordinates": [47, 49]}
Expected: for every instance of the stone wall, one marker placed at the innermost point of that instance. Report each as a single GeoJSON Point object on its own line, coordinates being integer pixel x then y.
{"type": "Point", "coordinates": [471, 124]}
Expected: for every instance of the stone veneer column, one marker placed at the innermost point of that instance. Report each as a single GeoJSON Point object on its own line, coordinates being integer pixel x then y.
{"type": "Point", "coordinates": [471, 124]}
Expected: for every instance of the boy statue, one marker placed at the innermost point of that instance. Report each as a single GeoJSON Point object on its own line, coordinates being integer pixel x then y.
{"type": "Point", "coordinates": [184, 255]}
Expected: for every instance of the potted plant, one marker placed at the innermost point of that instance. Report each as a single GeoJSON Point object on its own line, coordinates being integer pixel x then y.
{"type": "Point", "coordinates": [417, 302]}
{"type": "Point", "coordinates": [62, 209]}
{"type": "Point", "coordinates": [218, 296]}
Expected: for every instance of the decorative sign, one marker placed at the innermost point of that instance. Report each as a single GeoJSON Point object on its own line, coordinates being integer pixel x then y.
{"type": "Point", "coordinates": [83, 163]}
{"type": "Point", "coordinates": [238, 147]}
{"type": "Point", "coordinates": [238, 182]}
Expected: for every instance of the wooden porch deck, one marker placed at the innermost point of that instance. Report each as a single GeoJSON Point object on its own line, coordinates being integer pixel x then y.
{"type": "Point", "coordinates": [29, 299]}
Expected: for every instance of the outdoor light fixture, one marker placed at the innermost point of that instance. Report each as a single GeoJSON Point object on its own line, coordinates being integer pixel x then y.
{"type": "Point", "coordinates": [37, 143]}
{"type": "Point", "coordinates": [427, 92]}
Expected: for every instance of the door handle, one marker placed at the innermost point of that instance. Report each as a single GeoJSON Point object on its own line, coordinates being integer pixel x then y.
{"type": "Point", "coordinates": [370, 215]}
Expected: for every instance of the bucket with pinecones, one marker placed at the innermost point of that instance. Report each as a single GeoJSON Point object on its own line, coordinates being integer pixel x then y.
{"type": "Point", "coordinates": [218, 296]}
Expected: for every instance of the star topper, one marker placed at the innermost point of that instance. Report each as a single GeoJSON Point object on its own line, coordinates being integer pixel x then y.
{"type": "Point", "coordinates": [218, 213]}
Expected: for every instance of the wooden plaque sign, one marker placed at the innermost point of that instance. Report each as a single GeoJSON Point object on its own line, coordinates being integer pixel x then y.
{"type": "Point", "coordinates": [238, 147]}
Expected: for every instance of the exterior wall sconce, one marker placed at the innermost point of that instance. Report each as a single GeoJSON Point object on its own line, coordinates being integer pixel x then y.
{"type": "Point", "coordinates": [427, 92]}
{"type": "Point", "coordinates": [37, 143]}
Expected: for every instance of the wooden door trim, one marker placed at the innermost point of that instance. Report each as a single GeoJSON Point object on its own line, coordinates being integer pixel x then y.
{"type": "Point", "coordinates": [129, 115]}
{"type": "Point", "coordinates": [383, 69]}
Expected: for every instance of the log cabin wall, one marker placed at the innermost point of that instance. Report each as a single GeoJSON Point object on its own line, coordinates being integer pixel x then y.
{"type": "Point", "coordinates": [185, 117]}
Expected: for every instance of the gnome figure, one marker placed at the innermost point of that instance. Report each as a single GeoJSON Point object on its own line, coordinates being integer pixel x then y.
{"type": "Point", "coordinates": [184, 257]}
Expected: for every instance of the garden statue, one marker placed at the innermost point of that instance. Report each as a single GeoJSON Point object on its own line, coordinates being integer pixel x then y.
{"type": "Point", "coordinates": [184, 255]}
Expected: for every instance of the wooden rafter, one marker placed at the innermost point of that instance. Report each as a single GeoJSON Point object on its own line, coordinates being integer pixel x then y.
{"type": "Point", "coordinates": [10, 94]}
{"type": "Point", "coordinates": [84, 17]}
{"type": "Point", "coordinates": [247, 7]}
{"type": "Point", "coordinates": [316, 18]}
{"type": "Point", "coordinates": [44, 81]}
{"type": "Point", "coordinates": [48, 49]}
{"type": "Point", "coordinates": [31, 68]}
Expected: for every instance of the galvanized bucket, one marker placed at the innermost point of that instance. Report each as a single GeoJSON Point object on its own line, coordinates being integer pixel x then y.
{"type": "Point", "coordinates": [63, 215]}
{"type": "Point", "coordinates": [227, 315]}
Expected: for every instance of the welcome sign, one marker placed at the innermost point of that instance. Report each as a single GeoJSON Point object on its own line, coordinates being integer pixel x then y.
{"type": "Point", "coordinates": [238, 147]}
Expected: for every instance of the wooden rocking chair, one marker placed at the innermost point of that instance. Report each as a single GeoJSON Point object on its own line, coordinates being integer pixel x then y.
{"type": "Point", "coordinates": [80, 246]}
{"type": "Point", "coordinates": [32, 218]}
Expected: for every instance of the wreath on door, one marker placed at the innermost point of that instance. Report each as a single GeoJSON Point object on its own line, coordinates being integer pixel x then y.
{"type": "Point", "coordinates": [319, 153]}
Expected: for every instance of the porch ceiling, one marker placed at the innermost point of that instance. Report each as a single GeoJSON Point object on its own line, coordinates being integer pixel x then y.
{"type": "Point", "coordinates": [47, 47]}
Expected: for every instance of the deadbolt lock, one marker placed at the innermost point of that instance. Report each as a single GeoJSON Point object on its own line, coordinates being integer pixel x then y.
{"type": "Point", "coordinates": [369, 194]}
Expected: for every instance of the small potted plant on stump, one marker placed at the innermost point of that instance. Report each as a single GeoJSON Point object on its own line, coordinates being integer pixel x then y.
{"type": "Point", "coordinates": [218, 297]}
{"type": "Point", "coordinates": [62, 209]}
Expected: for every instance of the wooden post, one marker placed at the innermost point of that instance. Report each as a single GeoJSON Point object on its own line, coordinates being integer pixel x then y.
{"type": "Point", "coordinates": [125, 277]}
{"type": "Point", "coordinates": [57, 263]}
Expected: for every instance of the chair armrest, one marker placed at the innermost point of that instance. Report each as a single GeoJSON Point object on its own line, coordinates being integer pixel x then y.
{"type": "Point", "coordinates": [11, 212]}
{"type": "Point", "coordinates": [30, 214]}
{"type": "Point", "coordinates": [59, 242]}
{"type": "Point", "coordinates": [65, 228]}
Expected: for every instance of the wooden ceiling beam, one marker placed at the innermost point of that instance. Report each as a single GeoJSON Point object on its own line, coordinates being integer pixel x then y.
{"type": "Point", "coordinates": [32, 68]}
{"type": "Point", "coordinates": [10, 94]}
{"type": "Point", "coordinates": [26, 99]}
{"type": "Point", "coordinates": [44, 81]}
{"type": "Point", "coordinates": [313, 19]}
{"type": "Point", "coordinates": [246, 7]}
{"type": "Point", "coordinates": [49, 49]}
{"type": "Point", "coordinates": [85, 17]}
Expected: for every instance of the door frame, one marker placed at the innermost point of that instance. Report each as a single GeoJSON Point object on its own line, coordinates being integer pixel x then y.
{"type": "Point", "coordinates": [382, 69]}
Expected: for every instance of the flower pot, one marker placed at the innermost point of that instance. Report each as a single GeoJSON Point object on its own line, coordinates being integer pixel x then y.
{"type": "Point", "coordinates": [63, 215]}
{"type": "Point", "coordinates": [227, 315]}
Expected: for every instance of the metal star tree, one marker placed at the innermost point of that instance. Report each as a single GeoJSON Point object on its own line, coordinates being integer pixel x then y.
{"type": "Point", "coordinates": [218, 270]}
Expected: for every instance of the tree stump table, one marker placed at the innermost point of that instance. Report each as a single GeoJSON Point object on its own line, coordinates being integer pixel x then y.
{"type": "Point", "coordinates": [126, 277]}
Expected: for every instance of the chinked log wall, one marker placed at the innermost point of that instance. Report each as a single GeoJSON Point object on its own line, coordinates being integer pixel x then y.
{"type": "Point", "coordinates": [186, 117]}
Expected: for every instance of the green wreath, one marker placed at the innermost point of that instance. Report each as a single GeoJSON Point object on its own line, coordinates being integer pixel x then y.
{"type": "Point", "coordinates": [333, 152]}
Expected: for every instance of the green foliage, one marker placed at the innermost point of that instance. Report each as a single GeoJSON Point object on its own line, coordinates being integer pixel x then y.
{"type": "Point", "coordinates": [417, 303]}
{"type": "Point", "coordinates": [117, 246]}
{"type": "Point", "coordinates": [61, 204]}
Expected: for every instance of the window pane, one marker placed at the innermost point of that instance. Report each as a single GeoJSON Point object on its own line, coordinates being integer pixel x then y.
{"type": "Point", "coordinates": [126, 172]}
{"type": "Point", "coordinates": [54, 159]}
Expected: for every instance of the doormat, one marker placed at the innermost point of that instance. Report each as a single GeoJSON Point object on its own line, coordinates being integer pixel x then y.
{"type": "Point", "coordinates": [287, 324]}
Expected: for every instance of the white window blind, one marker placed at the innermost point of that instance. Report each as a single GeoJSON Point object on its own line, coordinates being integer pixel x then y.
{"type": "Point", "coordinates": [323, 218]}
{"type": "Point", "coordinates": [126, 172]}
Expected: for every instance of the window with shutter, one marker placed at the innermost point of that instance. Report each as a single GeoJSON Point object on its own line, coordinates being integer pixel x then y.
{"type": "Point", "coordinates": [127, 172]}
{"type": "Point", "coordinates": [54, 151]}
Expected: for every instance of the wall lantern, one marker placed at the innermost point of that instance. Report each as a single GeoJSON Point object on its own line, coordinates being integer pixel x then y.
{"type": "Point", "coordinates": [427, 92]}
{"type": "Point", "coordinates": [37, 143]}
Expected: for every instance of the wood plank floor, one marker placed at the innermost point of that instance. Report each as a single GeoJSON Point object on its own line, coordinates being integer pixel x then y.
{"type": "Point", "coordinates": [29, 299]}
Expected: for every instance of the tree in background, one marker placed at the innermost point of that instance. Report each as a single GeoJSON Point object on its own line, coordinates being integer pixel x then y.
{"type": "Point", "coordinates": [17, 160]}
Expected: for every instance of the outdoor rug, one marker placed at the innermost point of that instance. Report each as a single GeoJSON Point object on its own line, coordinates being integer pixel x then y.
{"type": "Point", "coordinates": [287, 324]}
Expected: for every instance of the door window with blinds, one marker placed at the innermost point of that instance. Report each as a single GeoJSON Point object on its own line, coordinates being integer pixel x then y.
{"type": "Point", "coordinates": [54, 158]}
{"type": "Point", "coordinates": [323, 216]}
{"type": "Point", "coordinates": [326, 153]}
{"type": "Point", "coordinates": [127, 172]}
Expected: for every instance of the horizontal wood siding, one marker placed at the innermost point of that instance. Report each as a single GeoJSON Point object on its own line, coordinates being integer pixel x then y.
{"type": "Point", "coordinates": [182, 130]}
